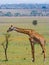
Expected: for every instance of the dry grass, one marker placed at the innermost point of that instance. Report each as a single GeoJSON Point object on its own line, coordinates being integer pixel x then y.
{"type": "Point", "coordinates": [19, 50]}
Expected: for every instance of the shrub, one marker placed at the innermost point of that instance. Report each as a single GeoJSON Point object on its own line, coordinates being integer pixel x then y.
{"type": "Point", "coordinates": [34, 22]}
{"type": "Point", "coordinates": [8, 14]}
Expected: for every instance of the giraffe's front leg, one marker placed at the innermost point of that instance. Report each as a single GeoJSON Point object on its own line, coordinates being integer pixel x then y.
{"type": "Point", "coordinates": [32, 48]}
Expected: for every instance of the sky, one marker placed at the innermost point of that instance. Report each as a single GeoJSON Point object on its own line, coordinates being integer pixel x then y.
{"type": "Point", "coordinates": [24, 1]}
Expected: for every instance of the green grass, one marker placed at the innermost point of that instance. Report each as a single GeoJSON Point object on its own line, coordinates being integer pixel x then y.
{"type": "Point", "coordinates": [19, 49]}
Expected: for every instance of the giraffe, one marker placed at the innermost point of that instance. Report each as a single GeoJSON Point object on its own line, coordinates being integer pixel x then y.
{"type": "Point", "coordinates": [33, 38]}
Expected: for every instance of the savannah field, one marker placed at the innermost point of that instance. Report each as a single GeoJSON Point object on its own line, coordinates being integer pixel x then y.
{"type": "Point", "coordinates": [19, 49]}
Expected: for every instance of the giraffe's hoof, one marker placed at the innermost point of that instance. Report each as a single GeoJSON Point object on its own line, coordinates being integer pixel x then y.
{"type": "Point", "coordinates": [44, 59]}
{"type": "Point", "coordinates": [33, 60]}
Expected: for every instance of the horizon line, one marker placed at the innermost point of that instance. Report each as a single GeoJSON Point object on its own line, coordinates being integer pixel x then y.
{"type": "Point", "coordinates": [22, 3]}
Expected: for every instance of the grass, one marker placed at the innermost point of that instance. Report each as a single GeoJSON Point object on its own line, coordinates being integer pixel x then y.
{"type": "Point", "coordinates": [19, 49]}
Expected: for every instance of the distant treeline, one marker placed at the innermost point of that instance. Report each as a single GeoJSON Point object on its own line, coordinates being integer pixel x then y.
{"type": "Point", "coordinates": [31, 13]}
{"type": "Point", "coordinates": [24, 10]}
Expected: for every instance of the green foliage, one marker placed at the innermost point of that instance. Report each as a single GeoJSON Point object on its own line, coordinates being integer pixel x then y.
{"type": "Point", "coordinates": [34, 22]}
{"type": "Point", "coordinates": [8, 14]}
{"type": "Point", "coordinates": [34, 13]}
{"type": "Point", "coordinates": [17, 14]}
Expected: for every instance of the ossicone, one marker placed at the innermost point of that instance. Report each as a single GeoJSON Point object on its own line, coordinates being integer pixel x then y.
{"type": "Point", "coordinates": [11, 25]}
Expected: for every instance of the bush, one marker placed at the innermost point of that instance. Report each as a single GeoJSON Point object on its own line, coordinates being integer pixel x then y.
{"type": "Point", "coordinates": [17, 14]}
{"type": "Point", "coordinates": [34, 22]}
{"type": "Point", "coordinates": [8, 14]}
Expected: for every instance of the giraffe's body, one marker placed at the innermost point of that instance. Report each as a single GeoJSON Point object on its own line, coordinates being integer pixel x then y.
{"type": "Point", "coordinates": [33, 38]}
{"type": "Point", "coordinates": [31, 33]}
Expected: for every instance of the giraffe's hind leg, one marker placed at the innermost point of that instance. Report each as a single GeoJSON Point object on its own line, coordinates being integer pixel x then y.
{"type": "Point", "coordinates": [43, 50]}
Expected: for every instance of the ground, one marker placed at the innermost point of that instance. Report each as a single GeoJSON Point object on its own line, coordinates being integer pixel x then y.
{"type": "Point", "coordinates": [19, 49]}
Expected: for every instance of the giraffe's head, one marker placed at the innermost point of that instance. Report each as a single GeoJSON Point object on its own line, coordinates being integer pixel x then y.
{"type": "Point", "coordinates": [11, 28]}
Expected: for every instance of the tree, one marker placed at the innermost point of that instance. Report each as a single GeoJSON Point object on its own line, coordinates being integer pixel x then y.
{"type": "Point", "coordinates": [17, 14]}
{"type": "Point", "coordinates": [6, 45]}
{"type": "Point", "coordinates": [8, 14]}
{"type": "Point", "coordinates": [1, 13]}
{"type": "Point", "coordinates": [34, 13]}
{"type": "Point", "coordinates": [34, 22]}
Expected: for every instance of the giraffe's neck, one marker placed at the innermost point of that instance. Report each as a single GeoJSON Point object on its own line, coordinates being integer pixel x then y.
{"type": "Point", "coordinates": [20, 30]}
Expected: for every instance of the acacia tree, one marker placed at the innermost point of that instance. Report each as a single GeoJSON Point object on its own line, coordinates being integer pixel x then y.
{"type": "Point", "coordinates": [6, 45]}
{"type": "Point", "coordinates": [34, 22]}
{"type": "Point", "coordinates": [8, 14]}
